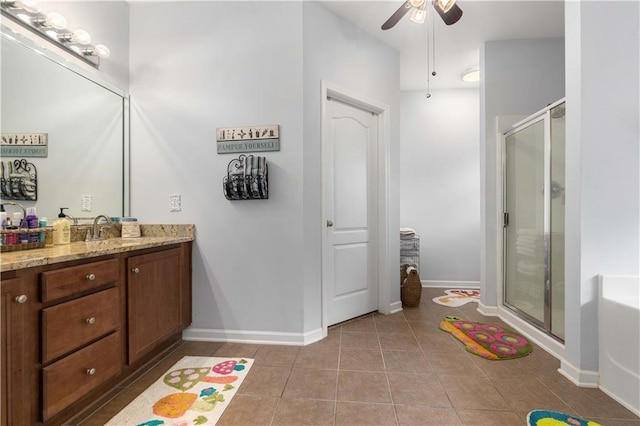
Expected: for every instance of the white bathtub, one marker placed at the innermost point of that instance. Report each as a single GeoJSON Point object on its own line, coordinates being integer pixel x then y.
{"type": "Point", "coordinates": [619, 337]}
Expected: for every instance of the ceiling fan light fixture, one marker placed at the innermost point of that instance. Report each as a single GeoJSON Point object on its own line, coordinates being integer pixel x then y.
{"type": "Point", "coordinates": [419, 14]}
{"type": "Point", "coordinates": [451, 15]}
{"type": "Point", "coordinates": [444, 5]}
{"type": "Point", "coordinates": [472, 75]}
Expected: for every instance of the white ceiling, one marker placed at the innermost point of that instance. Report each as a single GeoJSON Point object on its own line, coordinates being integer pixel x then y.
{"type": "Point", "coordinates": [457, 47]}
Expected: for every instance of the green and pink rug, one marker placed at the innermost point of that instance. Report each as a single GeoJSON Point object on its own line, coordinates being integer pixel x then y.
{"type": "Point", "coordinates": [487, 340]}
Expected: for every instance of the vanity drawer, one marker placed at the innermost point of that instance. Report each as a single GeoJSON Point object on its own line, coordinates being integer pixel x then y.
{"type": "Point", "coordinates": [66, 381]}
{"type": "Point", "coordinates": [69, 325]}
{"type": "Point", "coordinates": [76, 279]}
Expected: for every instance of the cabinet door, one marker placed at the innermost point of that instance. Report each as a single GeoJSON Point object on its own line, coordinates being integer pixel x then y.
{"type": "Point", "coordinates": [154, 293]}
{"type": "Point", "coordinates": [19, 348]}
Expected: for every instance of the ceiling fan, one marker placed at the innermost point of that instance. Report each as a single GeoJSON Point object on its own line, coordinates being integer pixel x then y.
{"type": "Point", "coordinates": [448, 10]}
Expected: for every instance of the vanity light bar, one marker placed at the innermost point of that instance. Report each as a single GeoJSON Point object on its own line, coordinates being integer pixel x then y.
{"type": "Point", "coordinates": [53, 25]}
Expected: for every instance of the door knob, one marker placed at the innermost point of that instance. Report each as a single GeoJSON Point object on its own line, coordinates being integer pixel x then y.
{"type": "Point", "coordinates": [329, 223]}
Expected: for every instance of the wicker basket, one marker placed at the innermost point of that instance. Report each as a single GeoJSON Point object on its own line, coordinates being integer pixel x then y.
{"type": "Point", "coordinates": [411, 289]}
{"type": "Point", "coordinates": [22, 246]}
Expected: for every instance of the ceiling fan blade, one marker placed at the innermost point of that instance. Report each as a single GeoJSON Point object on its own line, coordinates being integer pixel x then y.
{"type": "Point", "coordinates": [450, 17]}
{"type": "Point", "coordinates": [393, 20]}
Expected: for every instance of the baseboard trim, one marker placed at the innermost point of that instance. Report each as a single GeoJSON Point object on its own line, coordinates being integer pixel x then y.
{"type": "Point", "coordinates": [617, 398]}
{"type": "Point", "coordinates": [539, 337]}
{"type": "Point", "coordinates": [450, 284]}
{"type": "Point", "coordinates": [582, 378]}
{"type": "Point", "coordinates": [244, 336]}
{"type": "Point", "coordinates": [489, 311]}
{"type": "Point", "coordinates": [395, 307]}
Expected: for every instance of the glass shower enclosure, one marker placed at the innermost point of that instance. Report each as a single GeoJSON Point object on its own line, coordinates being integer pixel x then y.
{"type": "Point", "coordinates": [534, 217]}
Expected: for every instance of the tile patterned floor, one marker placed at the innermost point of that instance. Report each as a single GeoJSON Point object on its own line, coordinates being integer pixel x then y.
{"type": "Point", "coordinates": [389, 370]}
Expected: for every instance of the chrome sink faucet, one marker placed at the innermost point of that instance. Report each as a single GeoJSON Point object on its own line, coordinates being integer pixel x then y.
{"type": "Point", "coordinates": [96, 233]}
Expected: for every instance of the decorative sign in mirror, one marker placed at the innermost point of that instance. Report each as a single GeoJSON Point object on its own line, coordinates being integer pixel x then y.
{"type": "Point", "coordinates": [24, 145]}
{"type": "Point", "coordinates": [18, 180]}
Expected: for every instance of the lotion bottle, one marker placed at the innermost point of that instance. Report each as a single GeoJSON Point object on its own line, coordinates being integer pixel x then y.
{"type": "Point", "coordinates": [61, 229]}
{"type": "Point", "coordinates": [32, 222]}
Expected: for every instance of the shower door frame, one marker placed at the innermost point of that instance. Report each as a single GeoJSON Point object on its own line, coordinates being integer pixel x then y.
{"type": "Point", "coordinates": [545, 116]}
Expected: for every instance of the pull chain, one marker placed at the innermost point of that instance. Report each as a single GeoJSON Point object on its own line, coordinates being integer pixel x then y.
{"type": "Point", "coordinates": [428, 64]}
{"type": "Point", "coordinates": [433, 29]}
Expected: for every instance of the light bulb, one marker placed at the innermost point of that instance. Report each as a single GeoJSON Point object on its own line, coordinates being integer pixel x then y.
{"type": "Point", "coordinates": [419, 15]}
{"type": "Point", "coordinates": [80, 37]}
{"type": "Point", "coordinates": [417, 3]}
{"type": "Point", "coordinates": [30, 6]}
{"type": "Point", "coordinates": [445, 5]}
{"type": "Point", "coordinates": [102, 51]}
{"type": "Point", "coordinates": [55, 20]}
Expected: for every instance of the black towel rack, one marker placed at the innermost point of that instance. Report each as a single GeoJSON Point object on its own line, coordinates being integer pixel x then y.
{"type": "Point", "coordinates": [246, 179]}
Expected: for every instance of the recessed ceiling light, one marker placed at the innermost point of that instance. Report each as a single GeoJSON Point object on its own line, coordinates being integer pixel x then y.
{"type": "Point", "coordinates": [472, 75]}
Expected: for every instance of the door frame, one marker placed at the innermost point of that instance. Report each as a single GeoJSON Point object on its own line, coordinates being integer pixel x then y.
{"type": "Point", "coordinates": [333, 91]}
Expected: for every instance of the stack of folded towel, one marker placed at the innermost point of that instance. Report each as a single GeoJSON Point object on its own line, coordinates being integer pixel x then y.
{"type": "Point", "coordinates": [530, 242]}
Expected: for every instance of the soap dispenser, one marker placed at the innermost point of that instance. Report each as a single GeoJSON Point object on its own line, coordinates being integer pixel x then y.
{"type": "Point", "coordinates": [61, 229]}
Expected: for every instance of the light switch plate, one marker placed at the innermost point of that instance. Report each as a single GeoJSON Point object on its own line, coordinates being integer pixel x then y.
{"type": "Point", "coordinates": [175, 203]}
{"type": "Point", "coordinates": [87, 203]}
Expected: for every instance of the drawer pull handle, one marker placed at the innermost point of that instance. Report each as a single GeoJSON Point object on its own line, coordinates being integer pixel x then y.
{"type": "Point", "coordinates": [91, 371]}
{"type": "Point", "coordinates": [91, 277]}
{"type": "Point", "coordinates": [135, 270]}
{"type": "Point", "coordinates": [21, 299]}
{"type": "Point", "coordinates": [91, 321]}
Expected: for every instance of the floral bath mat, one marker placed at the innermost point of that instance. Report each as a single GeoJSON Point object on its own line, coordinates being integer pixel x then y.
{"type": "Point", "coordinates": [456, 297]}
{"type": "Point", "coordinates": [195, 391]}
{"type": "Point", "coordinates": [487, 340]}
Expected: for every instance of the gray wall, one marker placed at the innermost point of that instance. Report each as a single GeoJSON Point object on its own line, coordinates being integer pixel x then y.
{"type": "Point", "coordinates": [519, 77]}
{"type": "Point", "coordinates": [201, 65]}
{"type": "Point", "coordinates": [256, 264]}
{"type": "Point", "coordinates": [440, 183]}
{"type": "Point", "coordinates": [603, 163]}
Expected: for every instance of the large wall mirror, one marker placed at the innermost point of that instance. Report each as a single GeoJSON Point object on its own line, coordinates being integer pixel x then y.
{"type": "Point", "coordinates": [85, 164]}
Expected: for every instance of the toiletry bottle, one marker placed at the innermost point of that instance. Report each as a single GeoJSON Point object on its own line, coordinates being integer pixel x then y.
{"type": "Point", "coordinates": [61, 229]}
{"type": "Point", "coordinates": [42, 223]}
{"type": "Point", "coordinates": [11, 238]}
{"type": "Point", "coordinates": [32, 222]}
{"type": "Point", "coordinates": [21, 222]}
{"type": "Point", "coordinates": [3, 224]}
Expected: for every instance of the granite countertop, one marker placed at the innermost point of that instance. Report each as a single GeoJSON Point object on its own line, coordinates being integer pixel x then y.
{"type": "Point", "coordinates": [151, 236]}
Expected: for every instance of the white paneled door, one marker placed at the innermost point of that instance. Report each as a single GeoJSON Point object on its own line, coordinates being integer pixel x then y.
{"type": "Point", "coordinates": [350, 278]}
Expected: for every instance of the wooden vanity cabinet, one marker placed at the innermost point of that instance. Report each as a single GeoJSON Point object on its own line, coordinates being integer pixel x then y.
{"type": "Point", "coordinates": [71, 332]}
{"type": "Point", "coordinates": [158, 301]}
{"type": "Point", "coordinates": [19, 329]}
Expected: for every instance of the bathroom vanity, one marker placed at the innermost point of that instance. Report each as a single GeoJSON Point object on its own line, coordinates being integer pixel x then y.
{"type": "Point", "coordinates": [78, 320]}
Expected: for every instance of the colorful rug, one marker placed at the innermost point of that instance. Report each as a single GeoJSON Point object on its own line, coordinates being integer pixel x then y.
{"type": "Point", "coordinates": [487, 340]}
{"type": "Point", "coordinates": [554, 418]}
{"type": "Point", "coordinates": [195, 391]}
{"type": "Point", "coordinates": [457, 297]}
